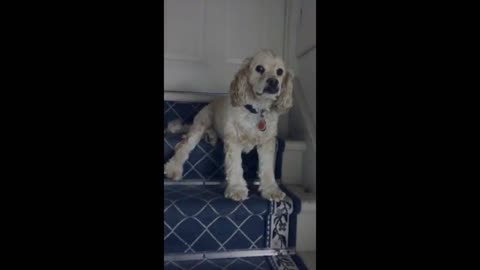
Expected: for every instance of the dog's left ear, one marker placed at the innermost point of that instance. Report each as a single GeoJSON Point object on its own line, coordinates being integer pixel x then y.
{"type": "Point", "coordinates": [285, 101]}
{"type": "Point", "coordinates": [240, 88]}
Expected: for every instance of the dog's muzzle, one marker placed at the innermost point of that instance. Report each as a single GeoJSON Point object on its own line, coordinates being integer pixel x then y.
{"type": "Point", "coordinates": [272, 86]}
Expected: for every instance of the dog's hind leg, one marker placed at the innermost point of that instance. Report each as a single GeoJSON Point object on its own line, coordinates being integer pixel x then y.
{"type": "Point", "coordinates": [211, 136]}
{"type": "Point", "coordinates": [173, 169]}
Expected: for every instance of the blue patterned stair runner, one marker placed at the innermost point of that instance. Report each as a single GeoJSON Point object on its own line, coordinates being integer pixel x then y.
{"type": "Point", "coordinates": [240, 263]}
{"type": "Point", "coordinates": [199, 219]}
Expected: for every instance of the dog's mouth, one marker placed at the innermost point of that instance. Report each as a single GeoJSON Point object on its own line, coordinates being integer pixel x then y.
{"type": "Point", "coordinates": [270, 90]}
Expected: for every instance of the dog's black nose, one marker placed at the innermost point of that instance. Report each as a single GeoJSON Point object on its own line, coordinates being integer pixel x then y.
{"type": "Point", "coordinates": [272, 82]}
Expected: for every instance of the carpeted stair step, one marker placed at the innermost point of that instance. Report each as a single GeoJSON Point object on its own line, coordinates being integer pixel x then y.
{"type": "Point", "coordinates": [206, 162]}
{"type": "Point", "coordinates": [198, 218]}
{"type": "Point", "coordinates": [283, 262]}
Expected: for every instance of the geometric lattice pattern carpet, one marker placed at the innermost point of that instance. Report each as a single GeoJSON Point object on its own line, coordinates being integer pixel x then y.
{"type": "Point", "coordinates": [199, 220]}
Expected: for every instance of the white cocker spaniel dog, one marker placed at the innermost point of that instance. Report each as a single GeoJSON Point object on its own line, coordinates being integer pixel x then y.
{"type": "Point", "coordinates": [260, 92]}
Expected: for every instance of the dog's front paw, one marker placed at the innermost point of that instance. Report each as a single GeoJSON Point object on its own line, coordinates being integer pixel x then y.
{"type": "Point", "coordinates": [272, 193]}
{"type": "Point", "coordinates": [236, 193]}
{"type": "Point", "coordinates": [173, 170]}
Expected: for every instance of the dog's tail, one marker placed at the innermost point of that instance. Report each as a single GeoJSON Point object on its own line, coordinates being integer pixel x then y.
{"type": "Point", "coordinates": [176, 127]}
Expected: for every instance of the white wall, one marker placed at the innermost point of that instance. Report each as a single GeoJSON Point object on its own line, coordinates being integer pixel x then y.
{"type": "Point", "coordinates": [206, 40]}
{"type": "Point", "coordinates": [302, 54]}
{"type": "Point", "coordinates": [308, 78]}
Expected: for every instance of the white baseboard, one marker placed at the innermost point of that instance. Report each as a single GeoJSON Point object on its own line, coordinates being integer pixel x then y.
{"type": "Point", "coordinates": [306, 219]}
{"type": "Point", "coordinates": [190, 96]}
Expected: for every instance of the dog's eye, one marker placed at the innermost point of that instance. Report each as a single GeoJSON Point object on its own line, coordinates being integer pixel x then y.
{"type": "Point", "coordinates": [260, 69]}
{"type": "Point", "coordinates": [279, 72]}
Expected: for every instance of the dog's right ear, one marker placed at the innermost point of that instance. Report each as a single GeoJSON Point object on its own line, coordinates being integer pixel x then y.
{"type": "Point", "coordinates": [240, 87]}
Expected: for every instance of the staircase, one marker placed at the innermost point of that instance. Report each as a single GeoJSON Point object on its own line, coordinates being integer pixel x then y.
{"type": "Point", "coordinates": [204, 230]}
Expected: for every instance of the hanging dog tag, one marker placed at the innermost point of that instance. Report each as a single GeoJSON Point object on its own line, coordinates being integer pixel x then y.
{"type": "Point", "coordinates": [262, 125]}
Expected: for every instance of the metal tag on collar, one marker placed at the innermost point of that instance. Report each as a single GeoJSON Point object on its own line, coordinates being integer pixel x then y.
{"type": "Point", "coordinates": [262, 124]}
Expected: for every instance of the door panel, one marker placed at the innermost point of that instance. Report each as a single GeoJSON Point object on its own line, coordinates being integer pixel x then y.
{"type": "Point", "coordinates": [207, 40]}
{"type": "Point", "coordinates": [307, 27]}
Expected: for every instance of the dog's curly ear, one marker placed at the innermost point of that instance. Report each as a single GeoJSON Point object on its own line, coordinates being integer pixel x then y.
{"type": "Point", "coordinates": [285, 101]}
{"type": "Point", "coordinates": [240, 87]}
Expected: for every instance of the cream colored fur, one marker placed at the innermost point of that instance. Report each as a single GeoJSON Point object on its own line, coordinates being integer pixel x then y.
{"type": "Point", "coordinates": [237, 127]}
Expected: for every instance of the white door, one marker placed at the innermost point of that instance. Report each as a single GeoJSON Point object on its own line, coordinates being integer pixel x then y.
{"type": "Point", "coordinates": [206, 40]}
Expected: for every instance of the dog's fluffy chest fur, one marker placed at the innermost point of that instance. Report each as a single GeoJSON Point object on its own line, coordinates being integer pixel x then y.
{"type": "Point", "coordinates": [241, 125]}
